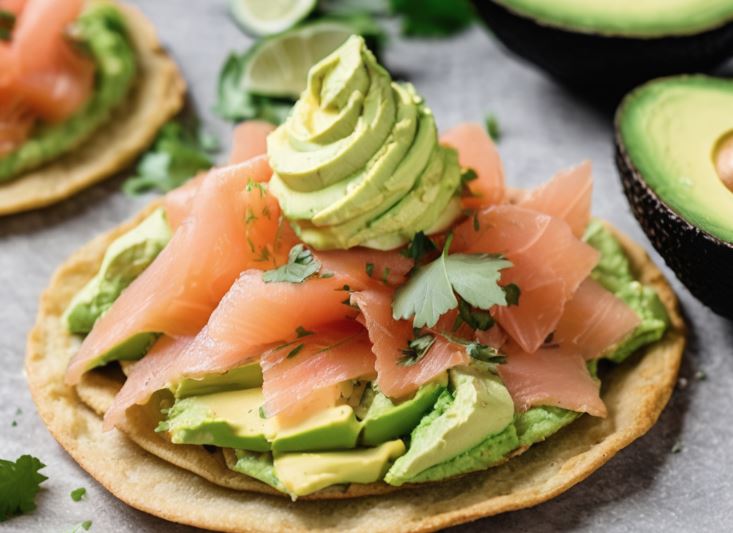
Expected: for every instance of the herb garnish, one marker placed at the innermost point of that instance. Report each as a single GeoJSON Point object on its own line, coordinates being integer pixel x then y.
{"type": "Point", "coordinates": [301, 265]}
{"type": "Point", "coordinates": [420, 246]}
{"type": "Point", "coordinates": [19, 484]}
{"type": "Point", "coordinates": [416, 348]}
{"type": "Point", "coordinates": [430, 292]}
{"type": "Point", "coordinates": [475, 318]}
{"type": "Point", "coordinates": [176, 156]}
{"type": "Point", "coordinates": [7, 23]}
{"type": "Point", "coordinates": [370, 269]}
{"type": "Point", "coordinates": [492, 127]}
{"type": "Point", "coordinates": [301, 332]}
{"type": "Point", "coordinates": [82, 526]}
{"type": "Point", "coordinates": [295, 351]}
{"type": "Point", "coordinates": [512, 293]}
{"type": "Point", "coordinates": [487, 354]}
{"type": "Point", "coordinates": [433, 18]}
{"type": "Point", "coordinates": [78, 494]}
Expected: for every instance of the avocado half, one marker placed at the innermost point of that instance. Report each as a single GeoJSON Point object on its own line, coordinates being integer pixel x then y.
{"type": "Point", "coordinates": [608, 46]}
{"type": "Point", "coordinates": [670, 134]}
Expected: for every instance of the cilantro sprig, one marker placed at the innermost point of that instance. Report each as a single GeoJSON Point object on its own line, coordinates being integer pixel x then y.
{"type": "Point", "coordinates": [416, 348]}
{"type": "Point", "coordinates": [435, 289]}
{"type": "Point", "coordinates": [19, 483]}
{"type": "Point", "coordinates": [301, 265]}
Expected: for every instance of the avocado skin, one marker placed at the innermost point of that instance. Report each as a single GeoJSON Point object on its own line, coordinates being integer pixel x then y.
{"type": "Point", "coordinates": [605, 64]}
{"type": "Point", "coordinates": [700, 261]}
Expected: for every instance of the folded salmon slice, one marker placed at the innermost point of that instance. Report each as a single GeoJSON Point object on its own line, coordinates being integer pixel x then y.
{"type": "Point", "coordinates": [367, 268]}
{"type": "Point", "coordinates": [176, 294]}
{"type": "Point", "coordinates": [595, 320]}
{"type": "Point", "coordinates": [314, 361]}
{"type": "Point", "coordinates": [552, 376]}
{"type": "Point", "coordinates": [477, 151]}
{"type": "Point", "coordinates": [390, 337]}
{"type": "Point", "coordinates": [549, 264]}
{"type": "Point", "coordinates": [249, 140]}
{"type": "Point", "coordinates": [567, 196]}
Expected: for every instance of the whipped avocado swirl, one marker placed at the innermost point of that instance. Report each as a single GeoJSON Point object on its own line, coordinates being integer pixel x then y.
{"type": "Point", "coordinates": [358, 162]}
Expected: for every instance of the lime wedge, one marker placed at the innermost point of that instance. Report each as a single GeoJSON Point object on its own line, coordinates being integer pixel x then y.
{"type": "Point", "coordinates": [278, 66]}
{"type": "Point", "coordinates": [267, 17]}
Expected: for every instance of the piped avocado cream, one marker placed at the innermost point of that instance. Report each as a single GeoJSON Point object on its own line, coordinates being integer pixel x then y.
{"type": "Point", "coordinates": [358, 162]}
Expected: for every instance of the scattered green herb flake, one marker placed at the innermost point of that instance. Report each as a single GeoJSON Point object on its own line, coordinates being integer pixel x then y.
{"type": "Point", "coordinates": [492, 127]}
{"type": "Point", "coordinates": [385, 275]}
{"type": "Point", "coordinates": [295, 351]}
{"type": "Point", "coordinates": [475, 318]}
{"type": "Point", "coordinates": [82, 526]}
{"type": "Point", "coordinates": [476, 223]}
{"type": "Point", "coordinates": [512, 292]}
{"type": "Point", "coordinates": [370, 269]}
{"type": "Point", "coordinates": [7, 23]}
{"type": "Point", "coordinates": [78, 494]}
{"type": "Point", "coordinates": [468, 174]}
{"type": "Point", "coordinates": [420, 246]}
{"type": "Point", "coordinates": [300, 332]}
{"type": "Point", "coordinates": [14, 423]}
{"type": "Point", "coordinates": [264, 255]}
{"type": "Point", "coordinates": [19, 484]}
{"type": "Point", "coordinates": [253, 185]}
{"type": "Point", "coordinates": [416, 349]}
{"type": "Point", "coordinates": [301, 265]}
{"type": "Point", "coordinates": [266, 212]}
{"type": "Point", "coordinates": [250, 217]}
{"type": "Point", "coordinates": [677, 447]}
{"type": "Point", "coordinates": [262, 412]}
{"type": "Point", "coordinates": [482, 352]}
{"type": "Point", "coordinates": [175, 157]}
{"type": "Point", "coordinates": [433, 18]}
{"type": "Point", "coordinates": [251, 244]}
{"type": "Point", "coordinates": [700, 375]}
{"type": "Point", "coordinates": [325, 275]}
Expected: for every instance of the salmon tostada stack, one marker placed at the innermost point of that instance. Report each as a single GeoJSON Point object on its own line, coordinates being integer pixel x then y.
{"type": "Point", "coordinates": [364, 313]}
{"type": "Point", "coordinates": [84, 87]}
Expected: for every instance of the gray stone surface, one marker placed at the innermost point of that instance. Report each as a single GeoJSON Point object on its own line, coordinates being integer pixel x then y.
{"type": "Point", "coordinates": [645, 488]}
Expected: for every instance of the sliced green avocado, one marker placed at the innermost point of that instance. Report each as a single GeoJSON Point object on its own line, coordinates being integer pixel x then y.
{"type": "Point", "coordinates": [478, 406]}
{"type": "Point", "coordinates": [130, 349]}
{"type": "Point", "coordinates": [258, 465]}
{"type": "Point", "coordinates": [102, 29]}
{"type": "Point", "coordinates": [649, 18]}
{"type": "Point", "coordinates": [244, 377]}
{"type": "Point", "coordinates": [305, 473]}
{"type": "Point", "coordinates": [228, 419]}
{"type": "Point", "coordinates": [331, 429]}
{"type": "Point", "coordinates": [125, 259]}
{"type": "Point", "coordinates": [668, 133]}
{"type": "Point", "coordinates": [384, 420]}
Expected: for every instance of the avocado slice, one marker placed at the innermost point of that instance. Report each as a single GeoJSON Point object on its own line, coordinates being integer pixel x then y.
{"type": "Point", "coordinates": [623, 42]}
{"type": "Point", "coordinates": [384, 420]}
{"type": "Point", "coordinates": [229, 419]}
{"type": "Point", "coordinates": [305, 473]}
{"type": "Point", "coordinates": [125, 259]}
{"type": "Point", "coordinates": [478, 406]}
{"type": "Point", "coordinates": [244, 377]}
{"type": "Point", "coordinates": [667, 134]}
{"type": "Point", "coordinates": [330, 429]}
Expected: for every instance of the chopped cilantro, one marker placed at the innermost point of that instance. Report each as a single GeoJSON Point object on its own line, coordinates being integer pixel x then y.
{"type": "Point", "coordinates": [433, 18]}
{"type": "Point", "coordinates": [7, 22]}
{"type": "Point", "coordinates": [468, 174]}
{"type": "Point", "coordinates": [492, 127]}
{"type": "Point", "coordinates": [82, 526]}
{"type": "Point", "coordinates": [475, 318]}
{"type": "Point", "coordinates": [416, 349]}
{"type": "Point", "coordinates": [512, 293]}
{"type": "Point", "coordinates": [300, 332]}
{"type": "Point", "coordinates": [295, 351]}
{"type": "Point", "coordinates": [19, 484]}
{"type": "Point", "coordinates": [300, 266]}
{"type": "Point", "coordinates": [324, 275]}
{"type": "Point", "coordinates": [429, 293]}
{"type": "Point", "coordinates": [175, 157]}
{"type": "Point", "coordinates": [370, 269]}
{"type": "Point", "coordinates": [262, 412]}
{"type": "Point", "coordinates": [385, 275]}
{"type": "Point", "coordinates": [476, 223]}
{"type": "Point", "coordinates": [420, 246]}
{"type": "Point", "coordinates": [482, 352]}
{"type": "Point", "coordinates": [78, 494]}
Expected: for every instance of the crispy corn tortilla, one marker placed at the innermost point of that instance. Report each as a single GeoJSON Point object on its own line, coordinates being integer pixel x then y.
{"type": "Point", "coordinates": [148, 473]}
{"type": "Point", "coordinates": [157, 95]}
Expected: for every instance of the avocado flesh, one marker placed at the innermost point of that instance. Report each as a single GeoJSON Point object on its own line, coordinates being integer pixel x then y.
{"type": "Point", "coordinates": [244, 377]}
{"type": "Point", "coordinates": [384, 420]}
{"type": "Point", "coordinates": [478, 407]}
{"type": "Point", "coordinates": [124, 260]}
{"type": "Point", "coordinates": [669, 130]}
{"type": "Point", "coordinates": [229, 419]}
{"type": "Point", "coordinates": [369, 179]}
{"type": "Point", "coordinates": [102, 28]}
{"type": "Point", "coordinates": [330, 429]}
{"type": "Point", "coordinates": [305, 473]}
{"type": "Point", "coordinates": [650, 18]}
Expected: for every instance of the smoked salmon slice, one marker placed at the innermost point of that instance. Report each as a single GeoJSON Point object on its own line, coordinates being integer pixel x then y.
{"type": "Point", "coordinates": [176, 294]}
{"type": "Point", "coordinates": [478, 152]}
{"type": "Point", "coordinates": [390, 338]}
{"type": "Point", "coordinates": [549, 263]}
{"type": "Point", "coordinates": [364, 268]}
{"type": "Point", "coordinates": [314, 361]}
{"type": "Point", "coordinates": [553, 376]}
{"type": "Point", "coordinates": [566, 196]}
{"type": "Point", "coordinates": [250, 140]}
{"type": "Point", "coordinates": [594, 320]}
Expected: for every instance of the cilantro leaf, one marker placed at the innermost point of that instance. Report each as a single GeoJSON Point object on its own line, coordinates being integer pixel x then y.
{"type": "Point", "coordinates": [234, 102]}
{"type": "Point", "coordinates": [78, 494]}
{"type": "Point", "coordinates": [295, 351]}
{"type": "Point", "coordinates": [416, 349]}
{"type": "Point", "coordinates": [300, 266]}
{"type": "Point", "coordinates": [19, 484]}
{"type": "Point", "coordinates": [482, 352]}
{"type": "Point", "coordinates": [493, 128]}
{"type": "Point", "coordinates": [433, 18]}
{"type": "Point", "coordinates": [7, 23]}
{"type": "Point", "coordinates": [475, 278]}
{"type": "Point", "coordinates": [476, 319]}
{"type": "Point", "coordinates": [420, 246]}
{"type": "Point", "coordinates": [512, 293]}
{"type": "Point", "coordinates": [175, 157]}
{"type": "Point", "coordinates": [301, 332]}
